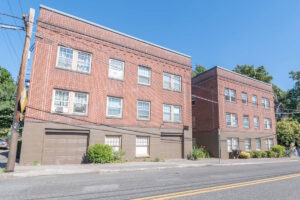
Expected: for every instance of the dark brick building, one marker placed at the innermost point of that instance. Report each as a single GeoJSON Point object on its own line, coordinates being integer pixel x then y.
{"type": "Point", "coordinates": [240, 106]}
{"type": "Point", "coordinates": [91, 84]}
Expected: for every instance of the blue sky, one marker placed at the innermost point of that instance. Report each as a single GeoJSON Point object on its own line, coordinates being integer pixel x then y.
{"type": "Point", "coordinates": [224, 33]}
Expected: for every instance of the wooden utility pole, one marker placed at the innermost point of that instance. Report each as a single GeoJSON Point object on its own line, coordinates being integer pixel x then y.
{"type": "Point", "coordinates": [16, 120]}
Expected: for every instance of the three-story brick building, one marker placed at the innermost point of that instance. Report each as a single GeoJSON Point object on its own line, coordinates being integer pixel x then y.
{"type": "Point", "coordinates": [241, 107]}
{"type": "Point", "coordinates": [91, 84]}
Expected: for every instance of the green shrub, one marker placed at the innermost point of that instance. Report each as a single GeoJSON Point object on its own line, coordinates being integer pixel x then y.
{"type": "Point", "coordinates": [278, 150]}
{"type": "Point", "coordinates": [271, 154]}
{"type": "Point", "coordinates": [244, 155]}
{"type": "Point", "coordinates": [117, 156]}
{"type": "Point", "coordinates": [287, 153]}
{"type": "Point", "coordinates": [198, 153]}
{"type": "Point", "coordinates": [255, 154]}
{"type": "Point", "coordinates": [100, 153]}
{"type": "Point", "coordinates": [264, 154]}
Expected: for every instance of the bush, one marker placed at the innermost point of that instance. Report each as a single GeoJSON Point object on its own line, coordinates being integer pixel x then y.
{"type": "Point", "coordinates": [264, 154]}
{"type": "Point", "coordinates": [271, 154]}
{"type": "Point", "coordinates": [100, 153]}
{"type": "Point", "coordinates": [199, 153]}
{"type": "Point", "coordinates": [244, 155]}
{"type": "Point", "coordinates": [255, 154]}
{"type": "Point", "coordinates": [288, 133]}
{"type": "Point", "coordinates": [235, 154]}
{"type": "Point", "coordinates": [117, 156]}
{"type": "Point", "coordinates": [278, 150]}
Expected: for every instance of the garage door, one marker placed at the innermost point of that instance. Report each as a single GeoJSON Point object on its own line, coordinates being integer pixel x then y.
{"type": "Point", "coordinates": [64, 148]}
{"type": "Point", "coordinates": [171, 146]}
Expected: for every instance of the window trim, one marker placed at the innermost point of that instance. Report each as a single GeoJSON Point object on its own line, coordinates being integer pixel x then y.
{"type": "Point", "coordinates": [268, 119]}
{"type": "Point", "coordinates": [137, 110]}
{"type": "Point", "coordinates": [254, 105]}
{"type": "Point", "coordinates": [148, 146]}
{"type": "Point", "coordinates": [246, 116]}
{"type": "Point", "coordinates": [87, 104]}
{"type": "Point", "coordinates": [120, 137]}
{"type": "Point", "coordinates": [250, 146]}
{"type": "Point", "coordinates": [141, 66]}
{"type": "Point", "coordinates": [268, 144]}
{"type": "Point", "coordinates": [53, 99]}
{"type": "Point", "coordinates": [230, 97]}
{"type": "Point", "coordinates": [172, 113]}
{"type": "Point", "coordinates": [263, 103]}
{"type": "Point", "coordinates": [172, 82]}
{"type": "Point", "coordinates": [257, 122]}
{"type": "Point", "coordinates": [245, 103]}
{"type": "Point", "coordinates": [257, 139]}
{"type": "Point", "coordinates": [231, 120]}
{"type": "Point", "coordinates": [113, 116]}
{"type": "Point", "coordinates": [231, 139]}
{"type": "Point", "coordinates": [89, 72]}
{"type": "Point", "coordinates": [123, 74]}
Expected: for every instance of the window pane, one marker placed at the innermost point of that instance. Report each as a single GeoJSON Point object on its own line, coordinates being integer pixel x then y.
{"type": "Point", "coordinates": [167, 113]}
{"type": "Point", "coordinates": [232, 95]}
{"type": "Point", "coordinates": [65, 58]}
{"type": "Point", "coordinates": [143, 110]}
{"type": "Point", "coordinates": [177, 83]}
{"type": "Point", "coordinates": [229, 145]}
{"type": "Point", "coordinates": [116, 69]}
{"type": "Point", "coordinates": [144, 74]}
{"type": "Point", "coordinates": [61, 101]}
{"type": "Point", "coordinates": [235, 143]}
{"type": "Point", "coordinates": [114, 142]}
{"type": "Point", "coordinates": [227, 97]}
{"type": "Point", "coordinates": [83, 62]}
{"type": "Point", "coordinates": [177, 113]}
{"type": "Point", "coordinates": [114, 107]}
{"type": "Point", "coordinates": [234, 120]}
{"type": "Point", "coordinates": [167, 81]}
{"type": "Point", "coordinates": [244, 98]}
{"type": "Point", "coordinates": [247, 144]}
{"type": "Point", "coordinates": [80, 103]}
{"type": "Point", "coordinates": [142, 146]}
{"type": "Point", "coordinates": [228, 119]}
{"type": "Point", "coordinates": [258, 144]}
{"type": "Point", "coordinates": [254, 100]}
{"type": "Point", "coordinates": [246, 122]}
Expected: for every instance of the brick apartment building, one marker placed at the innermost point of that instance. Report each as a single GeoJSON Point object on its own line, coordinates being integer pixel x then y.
{"type": "Point", "coordinates": [240, 106]}
{"type": "Point", "coordinates": [91, 84]}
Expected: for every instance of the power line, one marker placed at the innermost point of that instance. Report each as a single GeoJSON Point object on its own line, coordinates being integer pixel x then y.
{"type": "Point", "coordinates": [10, 8]}
{"type": "Point", "coordinates": [9, 26]}
{"type": "Point", "coordinates": [11, 16]}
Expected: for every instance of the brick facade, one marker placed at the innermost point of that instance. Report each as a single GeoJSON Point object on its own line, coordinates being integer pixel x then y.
{"type": "Point", "coordinates": [212, 85]}
{"type": "Point", "coordinates": [56, 29]}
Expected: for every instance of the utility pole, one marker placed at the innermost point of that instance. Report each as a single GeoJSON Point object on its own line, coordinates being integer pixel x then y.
{"type": "Point", "coordinates": [15, 126]}
{"type": "Point", "coordinates": [219, 145]}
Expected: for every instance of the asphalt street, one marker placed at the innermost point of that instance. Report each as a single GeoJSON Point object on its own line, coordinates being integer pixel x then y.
{"type": "Point", "coordinates": [249, 181]}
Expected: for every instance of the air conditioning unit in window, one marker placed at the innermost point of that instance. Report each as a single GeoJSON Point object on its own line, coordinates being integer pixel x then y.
{"type": "Point", "coordinates": [59, 109]}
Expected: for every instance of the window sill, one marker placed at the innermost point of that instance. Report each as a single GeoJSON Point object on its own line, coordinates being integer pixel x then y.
{"type": "Point", "coordinates": [70, 70]}
{"type": "Point", "coordinates": [116, 79]}
{"type": "Point", "coordinates": [144, 84]}
{"type": "Point", "coordinates": [113, 117]}
{"type": "Point", "coordinates": [69, 114]}
{"type": "Point", "coordinates": [171, 90]}
{"type": "Point", "coordinates": [145, 156]}
{"type": "Point", "coordinates": [143, 120]}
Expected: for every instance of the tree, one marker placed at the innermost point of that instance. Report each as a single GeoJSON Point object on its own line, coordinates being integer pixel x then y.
{"type": "Point", "coordinates": [296, 77]}
{"type": "Point", "coordinates": [288, 133]}
{"type": "Point", "coordinates": [198, 70]}
{"type": "Point", "coordinates": [259, 73]}
{"type": "Point", "coordinates": [7, 100]}
{"type": "Point", "coordinates": [293, 95]}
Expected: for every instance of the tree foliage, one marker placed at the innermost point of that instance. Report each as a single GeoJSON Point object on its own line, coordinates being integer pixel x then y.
{"type": "Point", "coordinates": [288, 133]}
{"type": "Point", "coordinates": [198, 70]}
{"type": "Point", "coordinates": [260, 73]}
{"type": "Point", "coordinates": [7, 100]}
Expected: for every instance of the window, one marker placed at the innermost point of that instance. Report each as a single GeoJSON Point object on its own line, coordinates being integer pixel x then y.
{"type": "Point", "coordinates": [265, 103]}
{"type": "Point", "coordinates": [269, 143]}
{"type": "Point", "coordinates": [144, 75]}
{"type": "Point", "coordinates": [171, 113]}
{"type": "Point", "coordinates": [65, 58]}
{"type": "Point", "coordinates": [116, 69]}
{"type": "Point", "coordinates": [267, 123]}
{"type": "Point", "coordinates": [143, 110]}
{"type": "Point", "coordinates": [232, 144]}
{"type": "Point", "coordinates": [244, 98]}
{"type": "Point", "coordinates": [247, 144]}
{"type": "Point", "coordinates": [258, 144]}
{"type": "Point", "coordinates": [171, 82]}
{"type": "Point", "coordinates": [193, 101]}
{"type": "Point", "coordinates": [114, 142]}
{"type": "Point", "coordinates": [246, 121]}
{"type": "Point", "coordinates": [256, 122]}
{"type": "Point", "coordinates": [80, 103]}
{"type": "Point", "coordinates": [142, 146]}
{"type": "Point", "coordinates": [114, 107]}
{"type": "Point", "coordinates": [231, 120]}
{"type": "Point", "coordinates": [61, 101]}
{"type": "Point", "coordinates": [83, 62]}
{"type": "Point", "coordinates": [230, 95]}
{"type": "Point", "coordinates": [254, 101]}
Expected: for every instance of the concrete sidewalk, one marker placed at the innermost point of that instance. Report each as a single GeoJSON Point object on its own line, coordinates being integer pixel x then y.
{"type": "Point", "coordinates": [27, 171]}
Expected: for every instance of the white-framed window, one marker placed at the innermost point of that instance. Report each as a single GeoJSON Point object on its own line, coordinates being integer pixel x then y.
{"type": "Point", "coordinates": [254, 101]}
{"type": "Point", "coordinates": [231, 120]}
{"type": "Point", "coordinates": [171, 82]}
{"type": "Point", "coordinates": [143, 110]}
{"type": "Point", "coordinates": [142, 146]}
{"type": "Point", "coordinates": [80, 103]}
{"type": "Point", "coordinates": [247, 142]}
{"type": "Point", "coordinates": [65, 58]}
{"type": "Point", "coordinates": [265, 103]}
{"type": "Point", "coordinates": [83, 62]}
{"type": "Point", "coordinates": [244, 98]}
{"type": "Point", "coordinates": [256, 122]}
{"type": "Point", "coordinates": [232, 144]}
{"type": "Point", "coordinates": [114, 107]}
{"type": "Point", "coordinates": [230, 95]}
{"type": "Point", "coordinates": [116, 69]}
{"type": "Point", "coordinates": [267, 123]}
{"type": "Point", "coordinates": [258, 144]}
{"type": "Point", "coordinates": [144, 75]}
{"type": "Point", "coordinates": [60, 101]}
{"type": "Point", "coordinates": [113, 141]}
{"type": "Point", "coordinates": [171, 113]}
{"type": "Point", "coordinates": [246, 121]}
{"type": "Point", "coordinates": [269, 143]}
